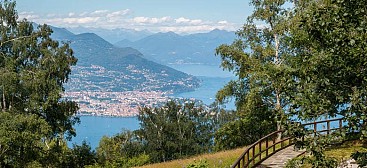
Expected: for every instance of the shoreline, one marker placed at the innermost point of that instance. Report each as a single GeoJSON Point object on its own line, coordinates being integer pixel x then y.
{"type": "Point", "coordinates": [107, 116]}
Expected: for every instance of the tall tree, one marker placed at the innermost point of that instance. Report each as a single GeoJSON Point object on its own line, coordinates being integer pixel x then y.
{"type": "Point", "coordinates": [256, 122]}
{"type": "Point", "coordinates": [176, 130]}
{"type": "Point", "coordinates": [122, 150]}
{"type": "Point", "coordinates": [21, 139]}
{"type": "Point", "coordinates": [33, 69]}
{"type": "Point", "coordinates": [259, 59]}
{"type": "Point", "coordinates": [329, 39]}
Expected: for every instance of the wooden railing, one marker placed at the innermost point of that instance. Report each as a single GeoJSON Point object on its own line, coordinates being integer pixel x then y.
{"type": "Point", "coordinates": [327, 128]}
{"type": "Point", "coordinates": [261, 150]}
{"type": "Point", "coordinates": [269, 145]}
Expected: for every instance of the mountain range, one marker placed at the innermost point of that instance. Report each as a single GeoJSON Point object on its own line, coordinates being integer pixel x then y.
{"type": "Point", "coordinates": [113, 35]}
{"type": "Point", "coordinates": [104, 67]}
{"type": "Point", "coordinates": [171, 48]}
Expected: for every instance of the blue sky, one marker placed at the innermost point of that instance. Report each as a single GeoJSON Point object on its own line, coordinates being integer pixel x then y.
{"type": "Point", "coordinates": [181, 16]}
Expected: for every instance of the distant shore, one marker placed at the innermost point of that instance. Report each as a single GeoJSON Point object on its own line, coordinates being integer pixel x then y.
{"type": "Point", "coordinates": [104, 115]}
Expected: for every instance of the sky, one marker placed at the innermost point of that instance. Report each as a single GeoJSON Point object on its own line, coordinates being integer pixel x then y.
{"type": "Point", "coordinates": [181, 16]}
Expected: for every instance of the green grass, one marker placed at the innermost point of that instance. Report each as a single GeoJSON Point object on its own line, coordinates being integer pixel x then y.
{"type": "Point", "coordinates": [344, 151]}
{"type": "Point", "coordinates": [215, 160]}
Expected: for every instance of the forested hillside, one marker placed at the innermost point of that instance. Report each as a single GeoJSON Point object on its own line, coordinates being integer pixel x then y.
{"type": "Point", "coordinates": [119, 69]}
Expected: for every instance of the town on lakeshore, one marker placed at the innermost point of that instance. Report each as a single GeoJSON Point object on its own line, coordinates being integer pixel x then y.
{"type": "Point", "coordinates": [118, 104]}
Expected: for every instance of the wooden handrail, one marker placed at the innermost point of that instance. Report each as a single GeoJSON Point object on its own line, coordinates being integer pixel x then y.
{"type": "Point", "coordinates": [251, 158]}
{"type": "Point", "coordinates": [245, 161]}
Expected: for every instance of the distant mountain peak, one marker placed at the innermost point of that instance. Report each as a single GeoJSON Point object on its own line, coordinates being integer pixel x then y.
{"type": "Point", "coordinates": [218, 30]}
{"type": "Point", "coordinates": [92, 37]}
{"type": "Point", "coordinates": [88, 34]}
{"type": "Point", "coordinates": [172, 48]}
{"type": "Point", "coordinates": [124, 69]}
{"type": "Point", "coordinates": [113, 35]}
{"type": "Point", "coordinates": [171, 33]}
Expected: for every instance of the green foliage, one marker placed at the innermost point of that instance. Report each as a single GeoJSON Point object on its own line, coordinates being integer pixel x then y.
{"type": "Point", "coordinates": [21, 139]}
{"type": "Point", "coordinates": [295, 162]}
{"type": "Point", "coordinates": [306, 161]}
{"type": "Point", "coordinates": [176, 130]}
{"type": "Point", "coordinates": [259, 58]}
{"type": "Point", "coordinates": [328, 39]}
{"type": "Point", "coordinates": [317, 148]}
{"type": "Point", "coordinates": [33, 69]}
{"type": "Point", "coordinates": [256, 122]}
{"type": "Point", "coordinates": [360, 158]}
{"type": "Point", "coordinates": [82, 155]}
{"type": "Point", "coordinates": [307, 62]}
{"type": "Point", "coordinates": [34, 117]}
{"type": "Point", "coordinates": [198, 164]}
{"type": "Point", "coordinates": [121, 150]}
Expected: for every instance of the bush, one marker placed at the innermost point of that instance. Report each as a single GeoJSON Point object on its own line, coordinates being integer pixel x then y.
{"type": "Point", "coordinates": [198, 164]}
{"type": "Point", "coordinates": [360, 158]}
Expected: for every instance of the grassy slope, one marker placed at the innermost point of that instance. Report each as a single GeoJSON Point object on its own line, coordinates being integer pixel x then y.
{"type": "Point", "coordinates": [227, 158]}
{"type": "Point", "coordinates": [344, 151]}
{"type": "Point", "coordinates": [215, 160]}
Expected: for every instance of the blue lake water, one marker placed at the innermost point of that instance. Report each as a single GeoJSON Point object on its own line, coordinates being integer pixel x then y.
{"type": "Point", "coordinates": [208, 90]}
{"type": "Point", "coordinates": [93, 128]}
{"type": "Point", "coordinates": [203, 70]}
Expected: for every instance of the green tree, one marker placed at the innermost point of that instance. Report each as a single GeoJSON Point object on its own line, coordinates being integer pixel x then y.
{"type": "Point", "coordinates": [328, 39]}
{"type": "Point", "coordinates": [259, 58]}
{"type": "Point", "coordinates": [329, 45]}
{"type": "Point", "coordinates": [175, 130]}
{"type": "Point", "coordinates": [22, 139]}
{"type": "Point", "coordinates": [256, 122]}
{"type": "Point", "coordinates": [81, 155]}
{"type": "Point", "coordinates": [33, 69]}
{"type": "Point", "coordinates": [121, 150]}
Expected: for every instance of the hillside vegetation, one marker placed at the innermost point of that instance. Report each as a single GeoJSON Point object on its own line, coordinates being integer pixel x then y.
{"type": "Point", "coordinates": [305, 62]}
{"type": "Point", "coordinates": [215, 160]}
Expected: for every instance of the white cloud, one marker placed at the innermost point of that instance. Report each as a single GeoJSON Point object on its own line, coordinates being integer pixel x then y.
{"type": "Point", "coordinates": [99, 12]}
{"type": "Point", "coordinates": [118, 13]}
{"type": "Point", "coordinates": [28, 15]}
{"type": "Point", "coordinates": [125, 19]}
{"type": "Point", "coordinates": [182, 20]}
{"type": "Point", "coordinates": [149, 20]}
{"type": "Point", "coordinates": [196, 21]}
{"type": "Point", "coordinates": [223, 22]}
{"type": "Point", "coordinates": [83, 20]}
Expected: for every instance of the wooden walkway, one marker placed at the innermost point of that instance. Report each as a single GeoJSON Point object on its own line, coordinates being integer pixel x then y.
{"type": "Point", "coordinates": [279, 159]}
{"type": "Point", "coordinates": [277, 153]}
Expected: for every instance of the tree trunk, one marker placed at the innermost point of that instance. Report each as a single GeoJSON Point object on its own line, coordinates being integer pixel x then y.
{"type": "Point", "coordinates": [278, 109]}
{"type": "Point", "coordinates": [4, 102]}
{"type": "Point", "coordinates": [277, 60]}
{"type": "Point", "coordinates": [278, 106]}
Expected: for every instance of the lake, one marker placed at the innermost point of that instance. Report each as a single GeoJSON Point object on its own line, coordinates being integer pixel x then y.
{"type": "Point", "coordinates": [93, 128]}
{"type": "Point", "coordinates": [208, 89]}
{"type": "Point", "coordinates": [202, 70]}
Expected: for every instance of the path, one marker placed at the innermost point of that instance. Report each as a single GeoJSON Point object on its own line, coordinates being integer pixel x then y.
{"type": "Point", "coordinates": [279, 159]}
